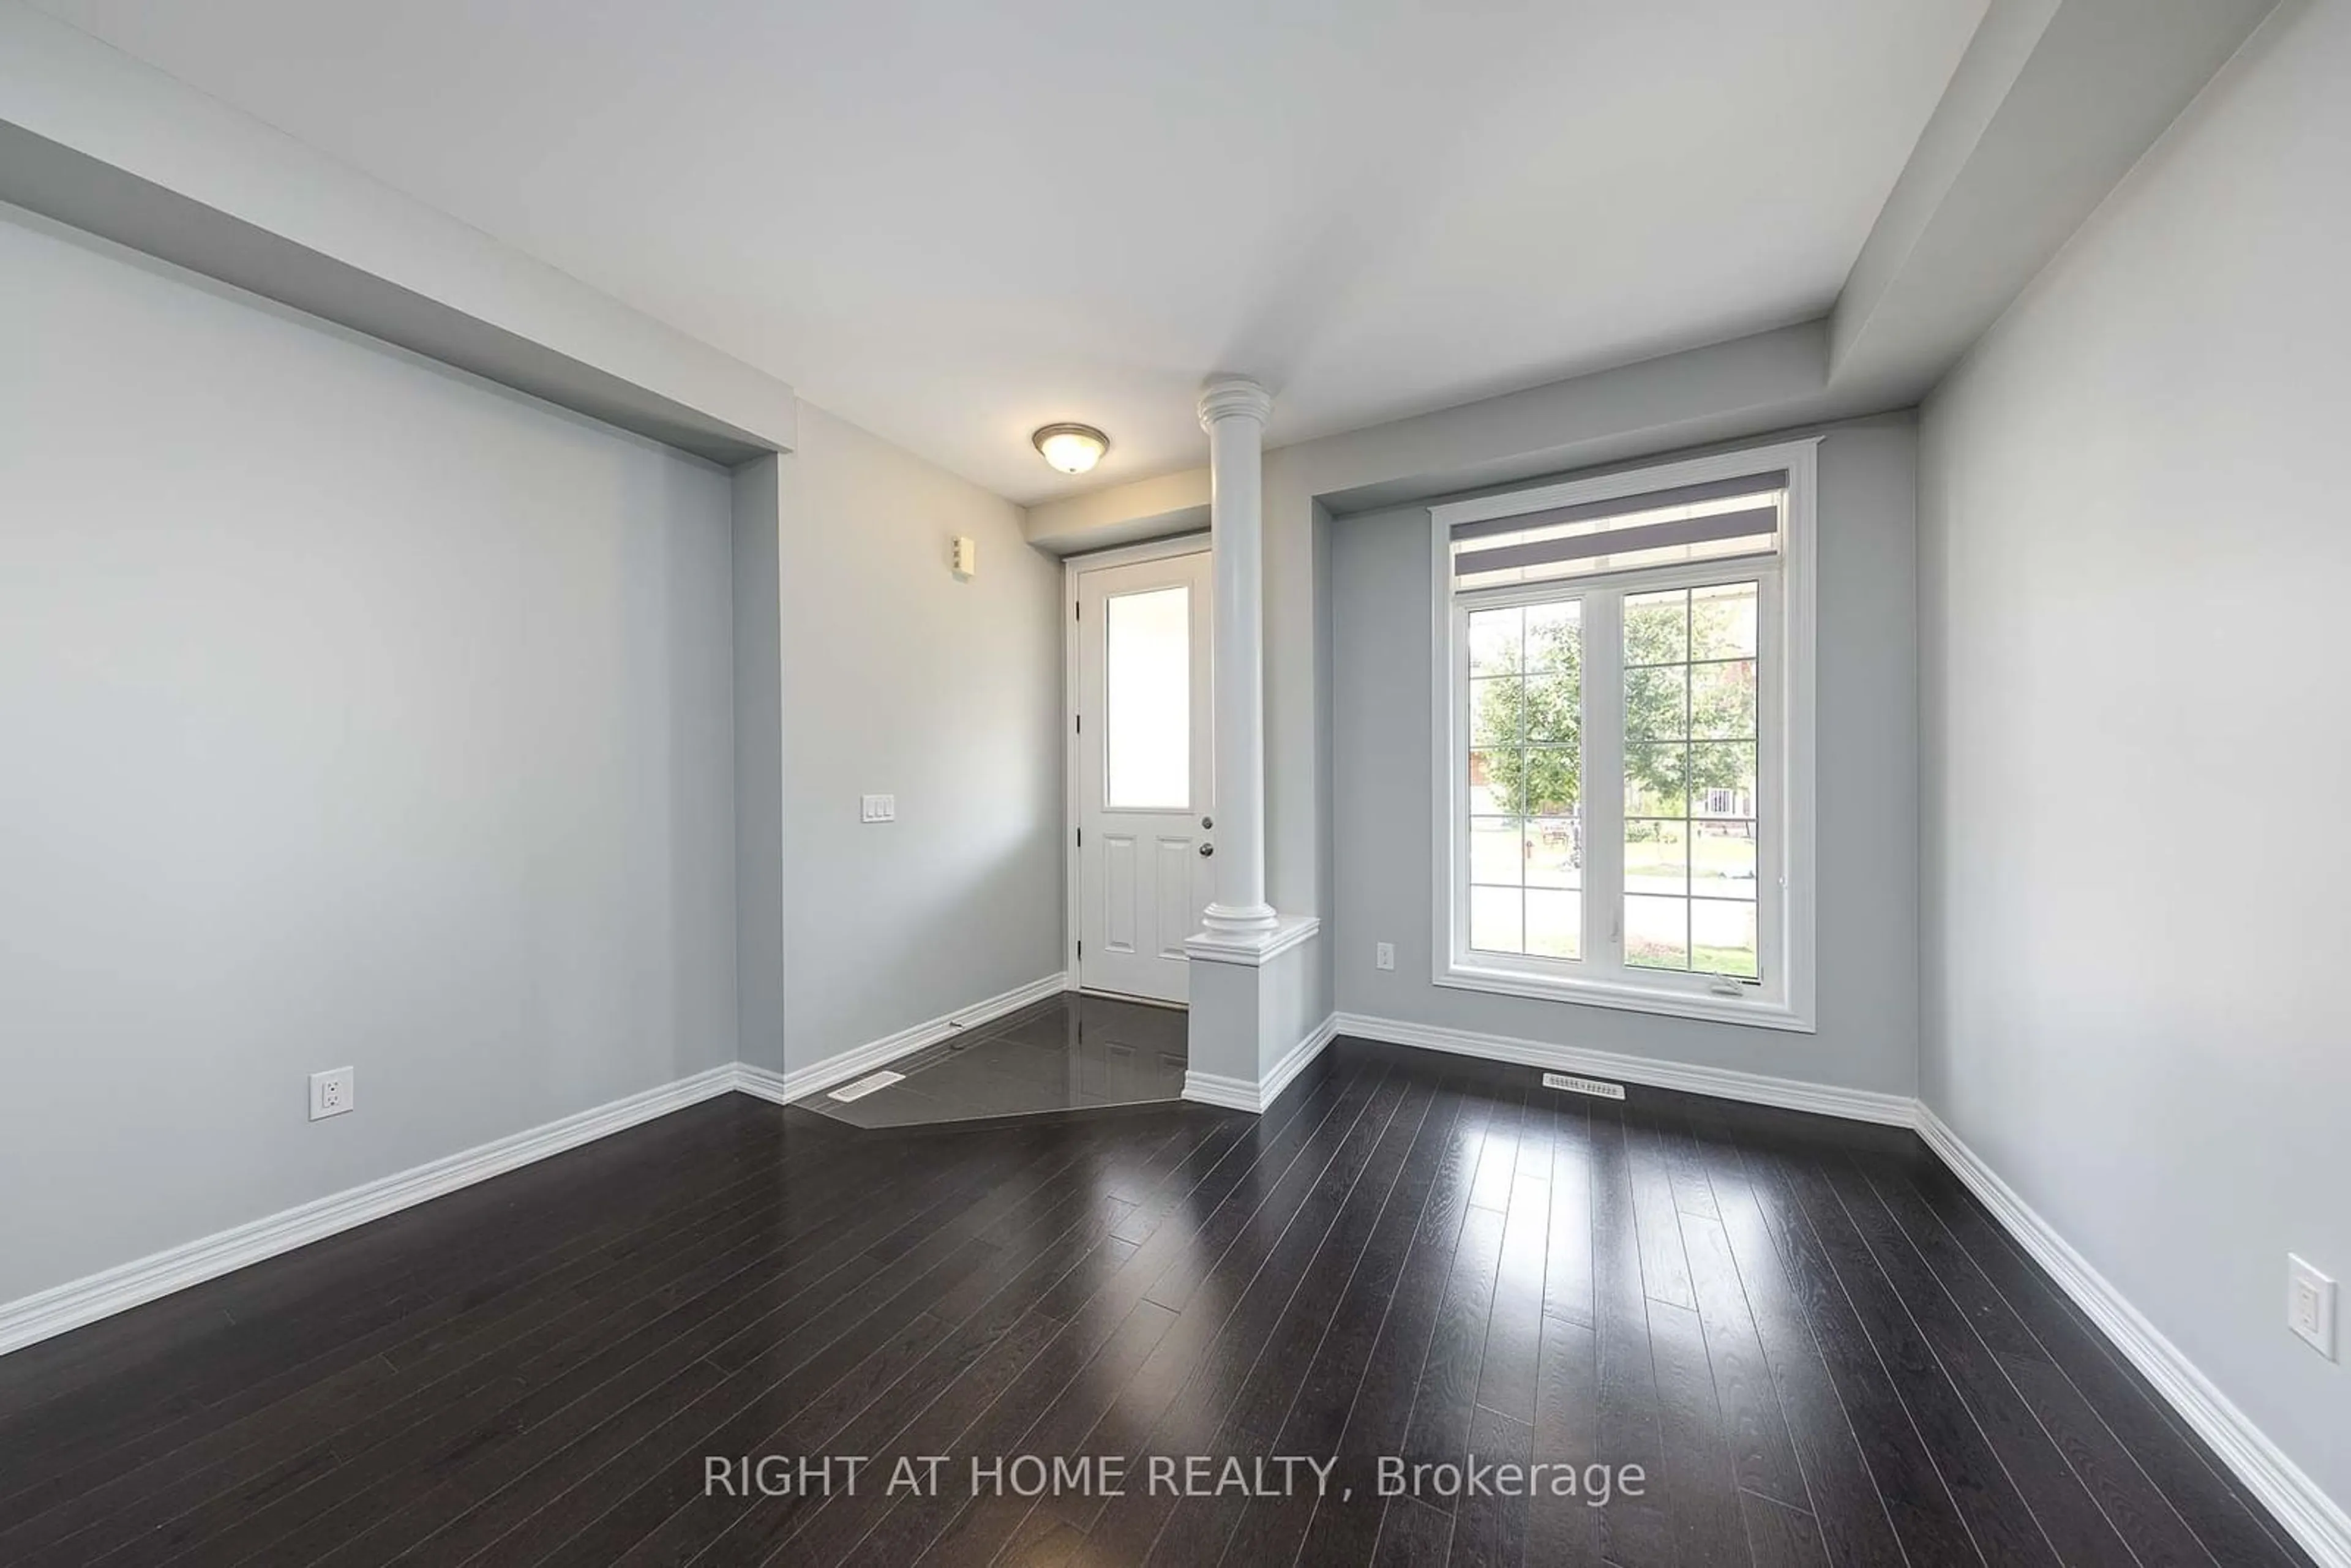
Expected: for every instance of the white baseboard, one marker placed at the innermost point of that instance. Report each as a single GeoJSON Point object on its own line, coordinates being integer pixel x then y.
{"type": "Point", "coordinates": [79, 1302]}
{"type": "Point", "coordinates": [1755, 1088]}
{"type": "Point", "coordinates": [85, 1301]}
{"type": "Point", "coordinates": [1213, 1089]}
{"type": "Point", "coordinates": [2313, 1518]}
{"type": "Point", "coordinates": [783, 1088]}
{"type": "Point", "coordinates": [2316, 1521]}
{"type": "Point", "coordinates": [1294, 1061]}
{"type": "Point", "coordinates": [1244, 1094]}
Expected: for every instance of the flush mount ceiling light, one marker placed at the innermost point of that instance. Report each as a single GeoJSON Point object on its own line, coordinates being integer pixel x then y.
{"type": "Point", "coordinates": [1072, 448]}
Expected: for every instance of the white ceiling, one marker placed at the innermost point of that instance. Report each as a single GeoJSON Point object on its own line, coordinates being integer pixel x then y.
{"type": "Point", "coordinates": [951, 222]}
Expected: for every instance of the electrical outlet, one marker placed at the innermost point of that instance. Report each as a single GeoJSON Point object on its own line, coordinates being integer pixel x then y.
{"type": "Point", "coordinates": [1384, 956]}
{"type": "Point", "coordinates": [2310, 1305]}
{"type": "Point", "coordinates": [333, 1092]}
{"type": "Point", "coordinates": [878, 808]}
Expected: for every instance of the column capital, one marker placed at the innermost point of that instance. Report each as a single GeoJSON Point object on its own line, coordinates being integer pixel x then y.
{"type": "Point", "coordinates": [1234, 397]}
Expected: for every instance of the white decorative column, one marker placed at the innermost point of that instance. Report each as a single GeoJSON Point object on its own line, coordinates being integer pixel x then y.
{"type": "Point", "coordinates": [1233, 411]}
{"type": "Point", "coordinates": [1250, 1034]}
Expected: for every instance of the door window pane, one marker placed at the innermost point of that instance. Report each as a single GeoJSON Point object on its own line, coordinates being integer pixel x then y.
{"type": "Point", "coordinates": [1147, 688]}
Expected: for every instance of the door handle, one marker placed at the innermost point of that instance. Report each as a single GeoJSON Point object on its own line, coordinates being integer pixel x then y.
{"type": "Point", "coordinates": [1208, 849]}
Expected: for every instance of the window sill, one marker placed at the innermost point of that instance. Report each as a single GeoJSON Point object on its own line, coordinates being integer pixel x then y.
{"type": "Point", "coordinates": [1627, 997]}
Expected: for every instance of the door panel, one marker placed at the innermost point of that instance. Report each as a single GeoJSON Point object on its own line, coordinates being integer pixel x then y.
{"type": "Point", "coordinates": [1179, 911]}
{"type": "Point", "coordinates": [1143, 773]}
{"type": "Point", "coordinates": [1118, 893]}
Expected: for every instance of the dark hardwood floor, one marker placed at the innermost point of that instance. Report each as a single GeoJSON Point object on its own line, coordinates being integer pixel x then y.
{"type": "Point", "coordinates": [1810, 1338]}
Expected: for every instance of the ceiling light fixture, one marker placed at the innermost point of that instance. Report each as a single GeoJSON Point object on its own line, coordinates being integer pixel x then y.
{"type": "Point", "coordinates": [1072, 448]}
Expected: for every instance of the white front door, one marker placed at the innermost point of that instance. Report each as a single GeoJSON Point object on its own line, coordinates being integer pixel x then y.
{"type": "Point", "coordinates": [1142, 773]}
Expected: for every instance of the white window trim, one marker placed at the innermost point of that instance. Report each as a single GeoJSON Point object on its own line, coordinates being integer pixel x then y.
{"type": "Point", "coordinates": [1785, 1001]}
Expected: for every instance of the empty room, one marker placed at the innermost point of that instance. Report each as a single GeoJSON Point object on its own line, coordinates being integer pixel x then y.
{"type": "Point", "coordinates": [1008, 785]}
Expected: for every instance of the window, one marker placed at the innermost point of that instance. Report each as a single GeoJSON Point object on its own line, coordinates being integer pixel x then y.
{"type": "Point", "coordinates": [1147, 695]}
{"type": "Point", "coordinates": [1624, 730]}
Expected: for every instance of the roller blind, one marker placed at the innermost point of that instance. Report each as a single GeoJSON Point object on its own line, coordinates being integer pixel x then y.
{"type": "Point", "coordinates": [1718, 519]}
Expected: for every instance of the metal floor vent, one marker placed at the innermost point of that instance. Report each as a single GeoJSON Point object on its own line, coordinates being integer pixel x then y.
{"type": "Point", "coordinates": [867, 1085]}
{"type": "Point", "coordinates": [1574, 1084]}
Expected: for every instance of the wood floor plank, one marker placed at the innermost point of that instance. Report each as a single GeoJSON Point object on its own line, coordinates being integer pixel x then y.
{"type": "Point", "coordinates": [844, 1314]}
{"type": "Point", "coordinates": [1909, 1486]}
{"type": "Point", "coordinates": [1267, 1171]}
{"type": "Point", "coordinates": [488, 1295]}
{"type": "Point", "coordinates": [557, 1449]}
{"type": "Point", "coordinates": [1412, 1535]}
{"type": "Point", "coordinates": [367, 1260]}
{"type": "Point", "coordinates": [1341, 1533]}
{"type": "Point", "coordinates": [791, 1381]}
{"type": "Point", "coordinates": [2002, 1525]}
{"type": "Point", "coordinates": [1176, 1404]}
{"type": "Point", "coordinates": [1839, 1490]}
{"type": "Point", "coordinates": [378, 1410]}
{"type": "Point", "coordinates": [1439, 1429]}
{"type": "Point", "coordinates": [1562, 1527]}
{"type": "Point", "coordinates": [1271, 1529]}
{"type": "Point", "coordinates": [1778, 1536]}
{"type": "Point", "coordinates": [1198, 1528]}
{"type": "Point", "coordinates": [695, 1332]}
{"type": "Point", "coordinates": [131, 1414]}
{"type": "Point", "coordinates": [2231, 1528]}
{"type": "Point", "coordinates": [1490, 1524]}
{"type": "Point", "coordinates": [1762, 1456]}
{"type": "Point", "coordinates": [1505, 1371]}
{"type": "Point", "coordinates": [1665, 1270]}
{"type": "Point", "coordinates": [1498, 1163]}
{"type": "Point", "coordinates": [1814, 1342]}
{"type": "Point", "coordinates": [2076, 1528]}
{"type": "Point", "coordinates": [1634, 1529]}
{"type": "Point", "coordinates": [1697, 1484]}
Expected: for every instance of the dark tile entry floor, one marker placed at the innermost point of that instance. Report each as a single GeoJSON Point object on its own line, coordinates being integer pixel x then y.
{"type": "Point", "coordinates": [1074, 1053]}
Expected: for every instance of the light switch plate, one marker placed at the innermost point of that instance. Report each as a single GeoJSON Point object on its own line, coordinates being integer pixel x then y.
{"type": "Point", "coordinates": [1384, 954]}
{"type": "Point", "coordinates": [879, 808]}
{"type": "Point", "coordinates": [2310, 1305]}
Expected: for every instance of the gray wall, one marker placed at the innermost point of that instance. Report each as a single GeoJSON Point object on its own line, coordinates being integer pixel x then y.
{"type": "Point", "coordinates": [1867, 776]}
{"type": "Point", "coordinates": [2134, 553]}
{"type": "Point", "coordinates": [353, 713]}
{"type": "Point", "coordinates": [759, 760]}
{"type": "Point", "coordinates": [898, 679]}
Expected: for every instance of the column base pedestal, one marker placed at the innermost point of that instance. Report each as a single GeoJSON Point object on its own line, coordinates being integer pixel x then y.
{"type": "Point", "coordinates": [1226, 923]}
{"type": "Point", "coordinates": [1254, 1024]}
